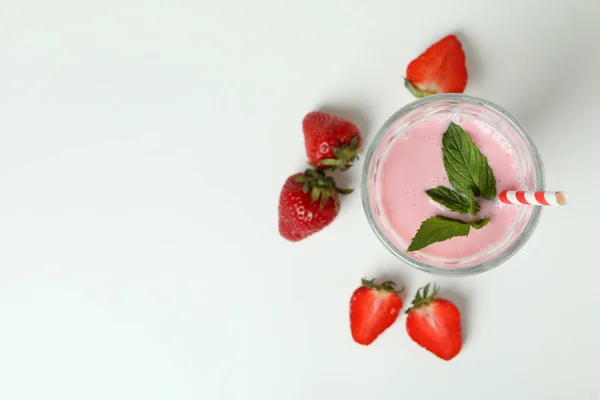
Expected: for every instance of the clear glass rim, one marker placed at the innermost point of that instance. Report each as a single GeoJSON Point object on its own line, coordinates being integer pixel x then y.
{"type": "Point", "coordinates": [479, 268]}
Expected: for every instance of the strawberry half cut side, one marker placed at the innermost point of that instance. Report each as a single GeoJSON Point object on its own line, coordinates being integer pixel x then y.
{"type": "Point", "coordinates": [373, 308]}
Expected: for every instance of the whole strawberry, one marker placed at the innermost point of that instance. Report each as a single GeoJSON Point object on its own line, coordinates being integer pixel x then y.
{"type": "Point", "coordinates": [440, 69]}
{"type": "Point", "coordinates": [434, 324]}
{"type": "Point", "coordinates": [373, 308]}
{"type": "Point", "coordinates": [331, 142]}
{"type": "Point", "coordinates": [308, 203]}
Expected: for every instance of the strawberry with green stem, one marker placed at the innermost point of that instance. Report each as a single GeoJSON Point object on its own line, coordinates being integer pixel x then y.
{"type": "Point", "coordinates": [308, 202]}
{"type": "Point", "coordinates": [331, 142]}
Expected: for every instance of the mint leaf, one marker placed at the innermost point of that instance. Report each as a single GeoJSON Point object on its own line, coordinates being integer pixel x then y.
{"type": "Point", "coordinates": [479, 224]}
{"type": "Point", "coordinates": [466, 167]}
{"type": "Point", "coordinates": [452, 200]}
{"type": "Point", "coordinates": [438, 229]}
{"type": "Point", "coordinates": [473, 206]}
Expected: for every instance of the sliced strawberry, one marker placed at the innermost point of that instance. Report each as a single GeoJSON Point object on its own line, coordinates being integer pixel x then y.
{"type": "Point", "coordinates": [440, 69]}
{"type": "Point", "coordinates": [434, 324]}
{"type": "Point", "coordinates": [373, 308]}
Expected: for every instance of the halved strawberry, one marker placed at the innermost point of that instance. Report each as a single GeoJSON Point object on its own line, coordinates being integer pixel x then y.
{"type": "Point", "coordinates": [434, 324]}
{"type": "Point", "coordinates": [440, 69]}
{"type": "Point", "coordinates": [373, 308]}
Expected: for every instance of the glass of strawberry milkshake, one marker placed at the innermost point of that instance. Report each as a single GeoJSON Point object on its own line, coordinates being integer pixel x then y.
{"type": "Point", "coordinates": [431, 178]}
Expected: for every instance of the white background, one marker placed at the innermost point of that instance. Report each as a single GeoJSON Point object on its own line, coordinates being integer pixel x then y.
{"type": "Point", "coordinates": [143, 148]}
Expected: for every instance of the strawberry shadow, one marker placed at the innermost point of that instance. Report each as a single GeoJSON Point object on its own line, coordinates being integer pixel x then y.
{"type": "Point", "coordinates": [552, 68]}
{"type": "Point", "coordinates": [547, 91]}
{"type": "Point", "coordinates": [462, 302]}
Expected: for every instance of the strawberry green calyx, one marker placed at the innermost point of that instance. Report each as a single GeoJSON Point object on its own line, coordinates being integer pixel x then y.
{"type": "Point", "coordinates": [417, 92]}
{"type": "Point", "coordinates": [387, 286]}
{"type": "Point", "coordinates": [423, 297]}
{"type": "Point", "coordinates": [321, 187]}
{"type": "Point", "coordinates": [345, 155]}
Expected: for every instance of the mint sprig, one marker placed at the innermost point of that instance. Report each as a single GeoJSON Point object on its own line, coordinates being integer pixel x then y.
{"type": "Point", "coordinates": [454, 201]}
{"type": "Point", "coordinates": [438, 229]}
{"type": "Point", "coordinates": [466, 166]}
{"type": "Point", "coordinates": [471, 175]}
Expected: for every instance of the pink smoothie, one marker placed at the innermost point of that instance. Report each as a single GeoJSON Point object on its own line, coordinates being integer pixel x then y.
{"type": "Point", "coordinates": [412, 163]}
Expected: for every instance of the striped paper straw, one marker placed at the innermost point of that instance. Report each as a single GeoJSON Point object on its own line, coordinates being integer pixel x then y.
{"type": "Point", "coordinates": [533, 198]}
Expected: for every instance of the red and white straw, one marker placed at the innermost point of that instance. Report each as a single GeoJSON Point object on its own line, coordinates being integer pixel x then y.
{"type": "Point", "coordinates": [533, 198]}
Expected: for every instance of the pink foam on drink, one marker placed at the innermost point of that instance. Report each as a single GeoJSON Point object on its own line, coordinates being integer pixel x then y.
{"type": "Point", "coordinates": [413, 163]}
